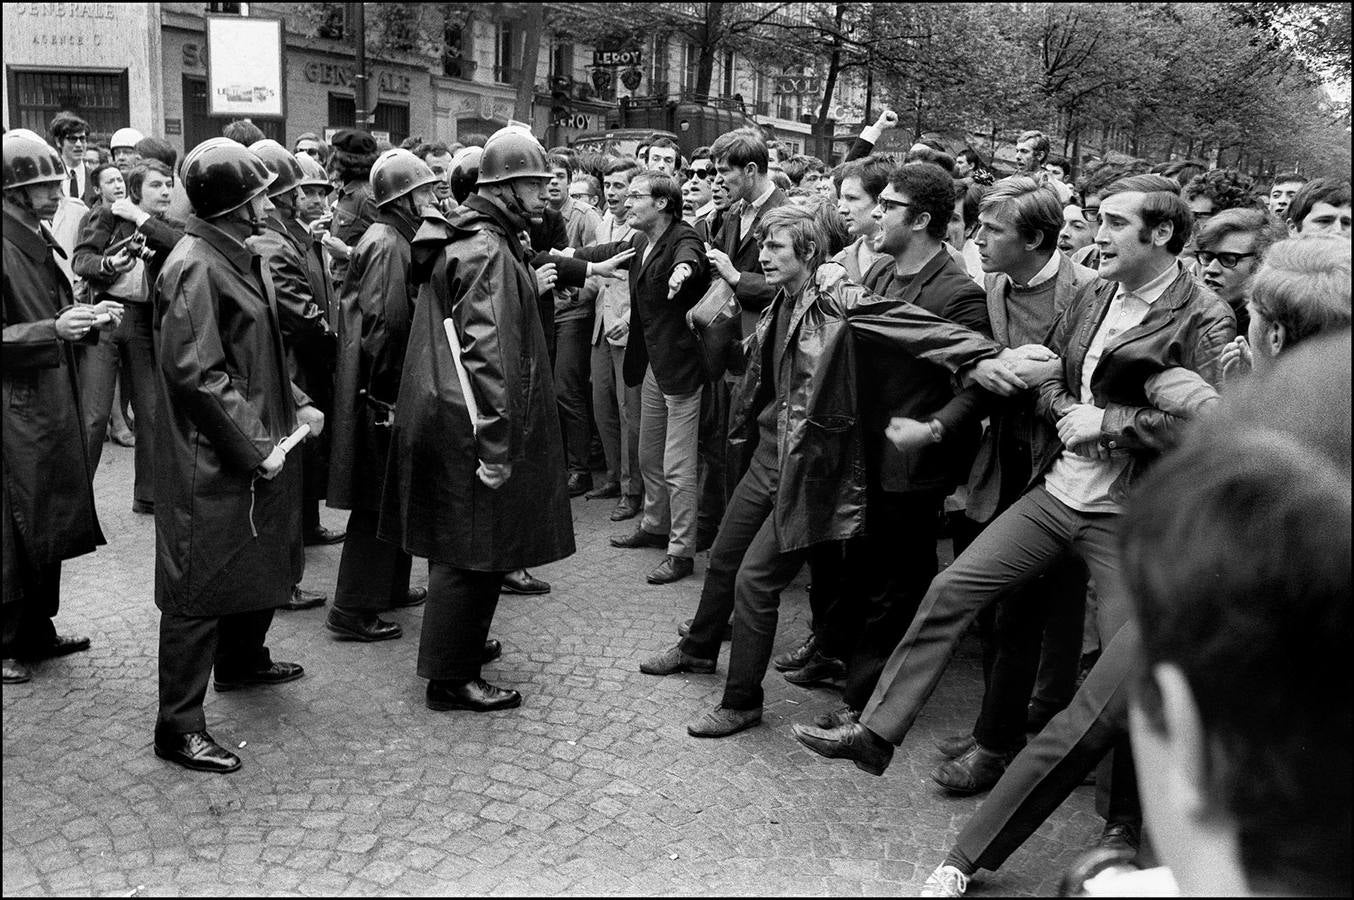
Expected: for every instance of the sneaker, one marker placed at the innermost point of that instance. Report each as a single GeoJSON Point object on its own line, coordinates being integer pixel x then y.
{"type": "Point", "coordinates": [945, 881]}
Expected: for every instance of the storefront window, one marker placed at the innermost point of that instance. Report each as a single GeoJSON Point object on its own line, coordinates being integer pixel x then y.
{"type": "Point", "coordinates": [99, 99]}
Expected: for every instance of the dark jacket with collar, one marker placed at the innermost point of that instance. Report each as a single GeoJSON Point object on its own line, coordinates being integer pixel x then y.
{"type": "Point", "coordinates": [473, 274]}
{"type": "Point", "coordinates": [226, 541]}
{"type": "Point", "coordinates": [354, 211]}
{"type": "Point", "coordinates": [752, 292]}
{"type": "Point", "coordinates": [901, 384]}
{"type": "Point", "coordinates": [376, 306]}
{"type": "Point", "coordinates": [101, 228]}
{"type": "Point", "coordinates": [1187, 327]}
{"type": "Point", "coordinates": [1011, 418]}
{"type": "Point", "coordinates": [48, 498]}
{"type": "Point", "coordinates": [820, 431]}
{"type": "Point", "coordinates": [664, 340]}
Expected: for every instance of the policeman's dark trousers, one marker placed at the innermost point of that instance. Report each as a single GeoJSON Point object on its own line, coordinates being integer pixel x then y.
{"type": "Point", "coordinates": [1055, 762]}
{"type": "Point", "coordinates": [573, 357]}
{"type": "Point", "coordinates": [891, 567]}
{"type": "Point", "coordinates": [373, 574]}
{"type": "Point", "coordinates": [461, 605]}
{"type": "Point", "coordinates": [1021, 544]}
{"type": "Point", "coordinates": [130, 348]}
{"type": "Point", "coordinates": [32, 598]}
{"type": "Point", "coordinates": [190, 646]}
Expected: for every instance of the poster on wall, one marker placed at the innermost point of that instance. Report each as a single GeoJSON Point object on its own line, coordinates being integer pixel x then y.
{"type": "Point", "coordinates": [245, 68]}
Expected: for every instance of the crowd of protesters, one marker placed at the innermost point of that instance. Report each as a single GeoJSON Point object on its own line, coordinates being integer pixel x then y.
{"type": "Point", "coordinates": [785, 363]}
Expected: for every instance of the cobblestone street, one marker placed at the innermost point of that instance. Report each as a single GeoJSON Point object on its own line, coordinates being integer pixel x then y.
{"type": "Point", "coordinates": [351, 785]}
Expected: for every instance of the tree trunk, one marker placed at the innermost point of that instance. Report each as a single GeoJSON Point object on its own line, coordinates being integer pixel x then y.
{"type": "Point", "coordinates": [833, 67]}
{"type": "Point", "coordinates": [712, 37]}
{"type": "Point", "coordinates": [526, 72]}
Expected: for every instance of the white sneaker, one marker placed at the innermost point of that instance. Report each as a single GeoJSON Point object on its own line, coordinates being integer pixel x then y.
{"type": "Point", "coordinates": [945, 881]}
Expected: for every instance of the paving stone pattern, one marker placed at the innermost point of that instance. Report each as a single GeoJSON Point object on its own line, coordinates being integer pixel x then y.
{"type": "Point", "coordinates": [351, 785]}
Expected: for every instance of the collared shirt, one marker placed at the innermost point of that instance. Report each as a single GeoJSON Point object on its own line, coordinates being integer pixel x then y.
{"type": "Point", "coordinates": [750, 211]}
{"type": "Point", "coordinates": [80, 173]}
{"type": "Point", "coordinates": [705, 211]}
{"type": "Point", "coordinates": [1047, 273]}
{"type": "Point", "coordinates": [1084, 484]}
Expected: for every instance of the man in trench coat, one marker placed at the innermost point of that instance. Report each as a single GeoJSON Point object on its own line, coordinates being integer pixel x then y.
{"type": "Point", "coordinates": [476, 483]}
{"type": "Point", "coordinates": [227, 508]}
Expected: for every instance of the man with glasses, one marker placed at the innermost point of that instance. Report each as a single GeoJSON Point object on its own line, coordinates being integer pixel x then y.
{"type": "Point", "coordinates": [1231, 245]}
{"type": "Point", "coordinates": [586, 190]}
{"type": "Point", "coordinates": [70, 136]}
{"type": "Point", "coordinates": [311, 145]}
{"type": "Point", "coordinates": [701, 178]}
{"type": "Point", "coordinates": [1209, 193]}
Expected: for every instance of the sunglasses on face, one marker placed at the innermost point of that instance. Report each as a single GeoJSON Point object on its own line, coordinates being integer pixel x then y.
{"type": "Point", "coordinates": [1226, 260]}
{"type": "Point", "coordinates": [313, 151]}
{"type": "Point", "coordinates": [702, 173]}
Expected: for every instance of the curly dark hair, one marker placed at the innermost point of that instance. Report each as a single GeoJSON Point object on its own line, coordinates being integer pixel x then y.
{"type": "Point", "coordinates": [1227, 188]}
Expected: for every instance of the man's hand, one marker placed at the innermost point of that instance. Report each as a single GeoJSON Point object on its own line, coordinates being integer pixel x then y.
{"type": "Point", "coordinates": [122, 261]}
{"type": "Point", "coordinates": [494, 475]}
{"type": "Point", "coordinates": [335, 246]}
{"type": "Point", "coordinates": [1081, 425]}
{"type": "Point", "coordinates": [998, 375]}
{"type": "Point", "coordinates": [1237, 359]}
{"type": "Point", "coordinates": [74, 323]}
{"type": "Point", "coordinates": [546, 276]}
{"type": "Point", "coordinates": [108, 314]}
{"type": "Point", "coordinates": [124, 208]}
{"type": "Point", "coordinates": [620, 330]}
{"type": "Point", "coordinates": [723, 265]}
{"type": "Point", "coordinates": [828, 274]}
{"type": "Point", "coordinates": [887, 119]}
{"type": "Point", "coordinates": [309, 415]}
{"type": "Point", "coordinates": [680, 273]}
{"type": "Point", "coordinates": [608, 268]}
{"type": "Point", "coordinates": [269, 468]}
{"type": "Point", "coordinates": [1034, 372]}
{"type": "Point", "coordinates": [909, 434]}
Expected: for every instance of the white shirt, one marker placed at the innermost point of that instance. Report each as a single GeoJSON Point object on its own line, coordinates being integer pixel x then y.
{"type": "Point", "coordinates": [80, 175]}
{"type": "Point", "coordinates": [1081, 483]}
{"type": "Point", "coordinates": [750, 211]}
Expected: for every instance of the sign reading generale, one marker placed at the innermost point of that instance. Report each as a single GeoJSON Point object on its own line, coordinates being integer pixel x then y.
{"type": "Point", "coordinates": [335, 73]}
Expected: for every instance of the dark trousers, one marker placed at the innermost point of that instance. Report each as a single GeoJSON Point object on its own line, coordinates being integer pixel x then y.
{"type": "Point", "coordinates": [717, 477]}
{"type": "Point", "coordinates": [373, 574]}
{"type": "Point", "coordinates": [32, 598]}
{"type": "Point", "coordinates": [130, 348]}
{"type": "Point", "coordinates": [1020, 545]}
{"type": "Point", "coordinates": [827, 592]}
{"type": "Point", "coordinates": [1056, 761]}
{"type": "Point", "coordinates": [190, 646]}
{"type": "Point", "coordinates": [461, 605]}
{"type": "Point", "coordinates": [1035, 632]}
{"type": "Point", "coordinates": [573, 360]}
{"type": "Point", "coordinates": [891, 567]}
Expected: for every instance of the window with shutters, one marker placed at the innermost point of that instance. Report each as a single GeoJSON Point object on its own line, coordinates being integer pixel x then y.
{"type": "Point", "coordinates": [98, 98]}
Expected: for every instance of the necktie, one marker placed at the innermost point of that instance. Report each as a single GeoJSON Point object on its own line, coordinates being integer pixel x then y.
{"type": "Point", "coordinates": [75, 185]}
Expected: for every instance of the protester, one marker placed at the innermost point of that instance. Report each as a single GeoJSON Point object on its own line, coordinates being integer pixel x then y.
{"type": "Point", "coordinates": [1283, 188]}
{"type": "Point", "coordinates": [1320, 207]}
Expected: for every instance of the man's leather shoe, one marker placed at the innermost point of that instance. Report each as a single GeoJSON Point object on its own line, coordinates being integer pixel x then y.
{"type": "Point", "coordinates": [609, 491]}
{"type": "Point", "coordinates": [1124, 837]}
{"type": "Point", "coordinates": [870, 752]}
{"type": "Point", "coordinates": [639, 538]}
{"type": "Point", "coordinates": [277, 673]}
{"type": "Point", "coordinates": [722, 722]}
{"type": "Point", "coordinates": [627, 507]}
{"type": "Point", "coordinates": [196, 750]}
{"type": "Point", "coordinates": [837, 718]}
{"type": "Point", "coordinates": [796, 658]}
{"type": "Point", "coordinates": [16, 672]}
{"type": "Point", "coordinates": [349, 627]}
{"type": "Point", "coordinates": [972, 773]}
{"type": "Point", "coordinates": [522, 582]}
{"type": "Point", "coordinates": [673, 660]}
{"type": "Point", "coordinates": [955, 745]}
{"type": "Point", "coordinates": [725, 634]}
{"type": "Point", "coordinates": [476, 695]}
{"type": "Point", "coordinates": [320, 535]}
{"type": "Point", "coordinates": [820, 668]}
{"type": "Point", "coordinates": [416, 597]}
{"type": "Point", "coordinates": [672, 568]}
{"type": "Point", "coordinates": [61, 645]}
{"type": "Point", "coordinates": [492, 650]}
{"type": "Point", "coordinates": [303, 599]}
{"type": "Point", "coordinates": [579, 484]}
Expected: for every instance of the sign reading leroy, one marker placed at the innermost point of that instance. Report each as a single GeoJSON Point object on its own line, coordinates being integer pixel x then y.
{"type": "Point", "coordinates": [617, 57]}
{"type": "Point", "coordinates": [244, 67]}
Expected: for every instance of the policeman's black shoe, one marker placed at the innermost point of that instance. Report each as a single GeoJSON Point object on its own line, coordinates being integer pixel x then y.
{"type": "Point", "coordinates": [639, 538]}
{"type": "Point", "coordinates": [475, 695]}
{"type": "Point", "coordinates": [319, 535]}
{"type": "Point", "coordinates": [196, 750]}
{"type": "Point", "coordinates": [609, 491]}
{"type": "Point", "coordinates": [416, 597]}
{"type": "Point", "coordinates": [61, 645]}
{"type": "Point", "coordinates": [370, 627]}
{"type": "Point", "coordinates": [492, 651]}
{"type": "Point", "coordinates": [725, 634]}
{"type": "Point", "coordinates": [277, 673]}
{"type": "Point", "coordinates": [303, 599]}
{"type": "Point", "coordinates": [523, 582]}
{"type": "Point", "coordinates": [580, 483]}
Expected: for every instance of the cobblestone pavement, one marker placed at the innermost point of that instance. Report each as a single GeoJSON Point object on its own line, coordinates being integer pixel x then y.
{"type": "Point", "coordinates": [351, 785]}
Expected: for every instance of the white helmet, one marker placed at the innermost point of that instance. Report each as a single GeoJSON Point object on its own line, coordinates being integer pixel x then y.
{"type": "Point", "coordinates": [125, 137]}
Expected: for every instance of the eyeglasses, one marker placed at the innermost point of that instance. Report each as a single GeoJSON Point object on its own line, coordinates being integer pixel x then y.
{"type": "Point", "coordinates": [702, 173]}
{"type": "Point", "coordinates": [580, 195]}
{"type": "Point", "coordinates": [1226, 260]}
{"type": "Point", "coordinates": [1091, 214]}
{"type": "Point", "coordinates": [636, 195]}
{"type": "Point", "coordinates": [77, 138]}
{"type": "Point", "coordinates": [313, 151]}
{"type": "Point", "coordinates": [888, 205]}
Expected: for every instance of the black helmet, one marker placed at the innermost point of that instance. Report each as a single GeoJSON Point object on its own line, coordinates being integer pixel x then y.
{"type": "Point", "coordinates": [512, 152]}
{"type": "Point", "coordinates": [278, 160]}
{"type": "Point", "coordinates": [30, 160]}
{"type": "Point", "coordinates": [465, 172]}
{"type": "Point", "coordinates": [397, 172]}
{"type": "Point", "coordinates": [221, 175]}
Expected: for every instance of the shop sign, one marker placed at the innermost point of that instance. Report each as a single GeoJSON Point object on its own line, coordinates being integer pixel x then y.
{"type": "Point", "coordinates": [387, 82]}
{"type": "Point", "coordinates": [617, 57]}
{"type": "Point", "coordinates": [571, 120]}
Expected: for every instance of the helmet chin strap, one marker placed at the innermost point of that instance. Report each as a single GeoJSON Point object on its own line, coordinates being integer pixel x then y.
{"type": "Point", "coordinates": [514, 204]}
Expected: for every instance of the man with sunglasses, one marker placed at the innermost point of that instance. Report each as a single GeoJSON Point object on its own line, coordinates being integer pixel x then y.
{"type": "Point", "coordinates": [702, 181]}
{"type": "Point", "coordinates": [70, 136]}
{"type": "Point", "coordinates": [1231, 245]}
